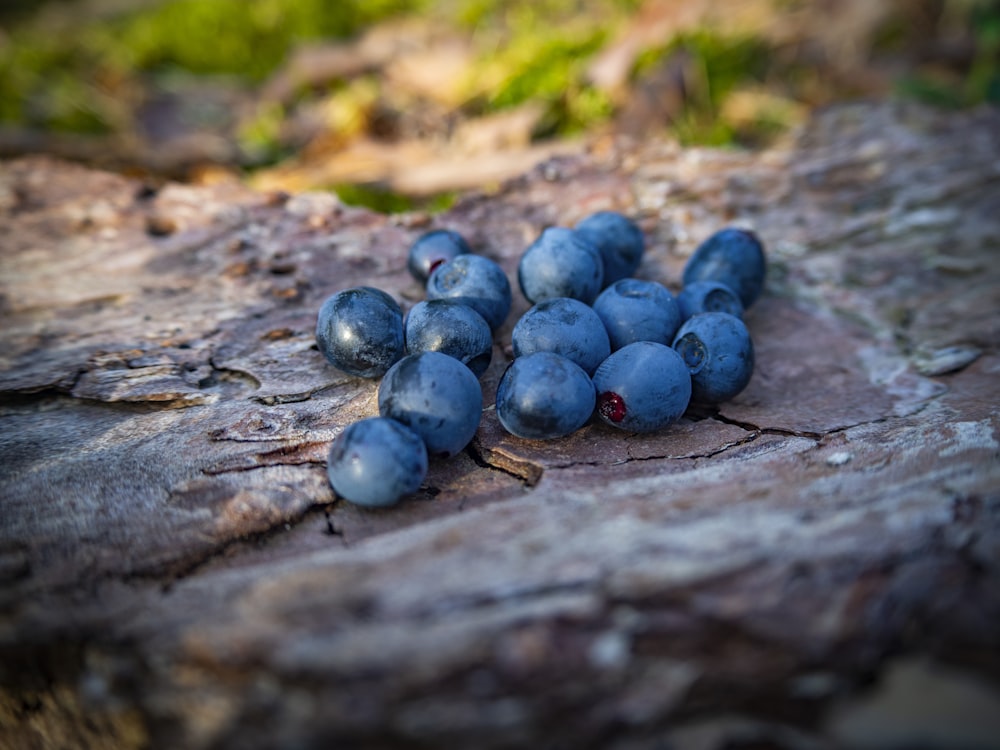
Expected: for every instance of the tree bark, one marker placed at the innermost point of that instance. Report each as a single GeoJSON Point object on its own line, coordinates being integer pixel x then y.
{"type": "Point", "coordinates": [815, 564]}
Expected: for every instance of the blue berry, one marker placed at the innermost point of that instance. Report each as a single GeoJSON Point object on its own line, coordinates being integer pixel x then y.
{"type": "Point", "coordinates": [432, 249]}
{"type": "Point", "coordinates": [708, 296]}
{"type": "Point", "coordinates": [360, 331]}
{"type": "Point", "coordinates": [474, 281]}
{"type": "Point", "coordinates": [564, 326]}
{"type": "Point", "coordinates": [376, 461]}
{"type": "Point", "coordinates": [543, 396]}
{"type": "Point", "coordinates": [619, 241]}
{"type": "Point", "coordinates": [437, 397]}
{"type": "Point", "coordinates": [717, 350]}
{"type": "Point", "coordinates": [734, 257]}
{"type": "Point", "coordinates": [449, 327]}
{"type": "Point", "coordinates": [635, 310]}
{"type": "Point", "coordinates": [642, 387]}
{"type": "Point", "coordinates": [561, 263]}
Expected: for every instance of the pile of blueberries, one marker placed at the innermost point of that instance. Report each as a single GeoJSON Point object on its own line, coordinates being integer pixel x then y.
{"type": "Point", "coordinates": [595, 341]}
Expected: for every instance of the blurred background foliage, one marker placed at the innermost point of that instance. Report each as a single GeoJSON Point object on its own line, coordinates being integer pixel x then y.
{"type": "Point", "coordinates": [404, 103]}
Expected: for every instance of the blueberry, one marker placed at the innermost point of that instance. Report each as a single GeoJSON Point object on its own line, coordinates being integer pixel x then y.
{"type": "Point", "coordinates": [642, 387]}
{"type": "Point", "coordinates": [376, 461]}
{"type": "Point", "coordinates": [734, 257]}
{"type": "Point", "coordinates": [718, 352]}
{"type": "Point", "coordinates": [474, 281]}
{"type": "Point", "coordinates": [543, 396]}
{"type": "Point", "coordinates": [635, 310]}
{"type": "Point", "coordinates": [619, 241]}
{"type": "Point", "coordinates": [360, 331]}
{"type": "Point", "coordinates": [561, 263]}
{"type": "Point", "coordinates": [449, 327]}
{"type": "Point", "coordinates": [437, 397]}
{"type": "Point", "coordinates": [432, 249]}
{"type": "Point", "coordinates": [564, 326]}
{"type": "Point", "coordinates": [708, 296]}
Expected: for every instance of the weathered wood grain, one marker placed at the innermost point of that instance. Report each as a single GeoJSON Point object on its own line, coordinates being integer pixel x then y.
{"type": "Point", "coordinates": [814, 565]}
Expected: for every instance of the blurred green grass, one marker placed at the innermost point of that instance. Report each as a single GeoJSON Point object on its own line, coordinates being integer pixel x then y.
{"type": "Point", "coordinates": [54, 76]}
{"type": "Point", "coordinates": [61, 72]}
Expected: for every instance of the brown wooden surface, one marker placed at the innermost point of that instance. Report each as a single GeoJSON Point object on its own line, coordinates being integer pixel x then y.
{"type": "Point", "coordinates": [816, 565]}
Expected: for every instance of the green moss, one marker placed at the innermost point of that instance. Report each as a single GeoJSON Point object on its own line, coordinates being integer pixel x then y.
{"type": "Point", "coordinates": [441, 202]}
{"type": "Point", "coordinates": [716, 65]}
{"type": "Point", "coordinates": [538, 50]}
{"type": "Point", "coordinates": [930, 91]}
{"type": "Point", "coordinates": [699, 129]}
{"type": "Point", "coordinates": [547, 68]}
{"type": "Point", "coordinates": [39, 82]}
{"type": "Point", "coordinates": [375, 197]}
{"type": "Point", "coordinates": [381, 199]}
{"type": "Point", "coordinates": [983, 81]}
{"type": "Point", "coordinates": [260, 136]}
{"type": "Point", "coordinates": [247, 38]}
{"type": "Point", "coordinates": [517, 15]}
{"type": "Point", "coordinates": [546, 63]}
{"type": "Point", "coordinates": [89, 76]}
{"type": "Point", "coordinates": [585, 106]}
{"type": "Point", "coordinates": [981, 84]}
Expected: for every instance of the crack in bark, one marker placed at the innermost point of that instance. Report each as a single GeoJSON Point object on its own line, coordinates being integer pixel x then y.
{"type": "Point", "coordinates": [172, 573]}
{"type": "Point", "coordinates": [68, 387]}
{"type": "Point", "coordinates": [30, 396]}
{"type": "Point", "coordinates": [753, 435]}
{"type": "Point", "coordinates": [279, 399]}
{"type": "Point", "coordinates": [757, 430]}
{"type": "Point", "coordinates": [331, 528]}
{"type": "Point", "coordinates": [242, 376]}
{"type": "Point", "coordinates": [528, 472]}
{"type": "Point", "coordinates": [17, 399]}
{"type": "Point", "coordinates": [290, 455]}
{"type": "Point", "coordinates": [807, 434]}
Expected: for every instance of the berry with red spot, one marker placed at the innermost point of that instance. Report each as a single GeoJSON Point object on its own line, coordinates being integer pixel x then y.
{"type": "Point", "coordinates": [433, 249]}
{"type": "Point", "coordinates": [642, 387]}
{"type": "Point", "coordinates": [611, 406]}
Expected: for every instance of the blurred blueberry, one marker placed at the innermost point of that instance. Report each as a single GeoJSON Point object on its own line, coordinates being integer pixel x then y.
{"type": "Point", "coordinates": [360, 331]}
{"type": "Point", "coordinates": [437, 397]}
{"type": "Point", "coordinates": [432, 249]}
{"type": "Point", "coordinates": [642, 387]}
{"type": "Point", "coordinates": [474, 281]}
{"type": "Point", "coordinates": [564, 326]}
{"type": "Point", "coordinates": [734, 257]}
{"type": "Point", "coordinates": [619, 241]}
{"type": "Point", "coordinates": [543, 396]}
{"type": "Point", "coordinates": [449, 327]}
{"type": "Point", "coordinates": [708, 296]}
{"type": "Point", "coordinates": [561, 263]}
{"type": "Point", "coordinates": [635, 310]}
{"type": "Point", "coordinates": [376, 461]}
{"type": "Point", "coordinates": [717, 350]}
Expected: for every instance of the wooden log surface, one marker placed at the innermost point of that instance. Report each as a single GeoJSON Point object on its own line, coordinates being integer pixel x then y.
{"type": "Point", "coordinates": [816, 564]}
